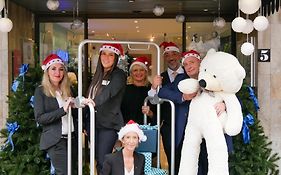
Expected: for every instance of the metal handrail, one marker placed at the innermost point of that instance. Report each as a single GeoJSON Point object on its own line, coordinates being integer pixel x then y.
{"type": "Point", "coordinates": [69, 155]}
{"type": "Point", "coordinates": [80, 118]}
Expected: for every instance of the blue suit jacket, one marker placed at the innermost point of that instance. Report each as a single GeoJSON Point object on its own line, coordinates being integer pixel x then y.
{"type": "Point", "coordinates": [170, 91]}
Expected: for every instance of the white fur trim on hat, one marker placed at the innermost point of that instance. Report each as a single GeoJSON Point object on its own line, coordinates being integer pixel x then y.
{"type": "Point", "coordinates": [134, 127]}
{"type": "Point", "coordinates": [171, 48]}
{"type": "Point", "coordinates": [110, 48]}
{"type": "Point", "coordinates": [53, 61]}
{"type": "Point", "coordinates": [138, 63]}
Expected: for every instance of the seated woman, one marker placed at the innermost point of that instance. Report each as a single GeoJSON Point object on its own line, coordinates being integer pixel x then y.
{"type": "Point", "coordinates": [136, 91]}
{"type": "Point", "coordinates": [126, 161]}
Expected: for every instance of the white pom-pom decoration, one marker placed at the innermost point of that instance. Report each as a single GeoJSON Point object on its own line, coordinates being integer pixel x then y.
{"type": "Point", "coordinates": [249, 6]}
{"type": "Point", "coordinates": [248, 27]}
{"type": "Point", "coordinates": [238, 24]}
{"type": "Point", "coordinates": [180, 18]}
{"type": "Point", "coordinates": [158, 10]}
{"type": "Point", "coordinates": [261, 23]}
{"type": "Point", "coordinates": [6, 25]}
{"type": "Point", "coordinates": [247, 48]}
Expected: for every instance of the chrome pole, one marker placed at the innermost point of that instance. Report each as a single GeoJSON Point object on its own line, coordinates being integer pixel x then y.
{"type": "Point", "coordinates": [69, 157]}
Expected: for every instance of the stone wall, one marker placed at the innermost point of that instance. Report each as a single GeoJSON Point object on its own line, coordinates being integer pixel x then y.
{"type": "Point", "coordinates": [269, 82]}
{"type": "Point", "coordinates": [4, 79]}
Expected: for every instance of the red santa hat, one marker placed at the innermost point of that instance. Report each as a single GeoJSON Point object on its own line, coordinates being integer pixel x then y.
{"type": "Point", "coordinates": [116, 48]}
{"type": "Point", "coordinates": [131, 126]}
{"type": "Point", "coordinates": [191, 53]}
{"type": "Point", "coordinates": [169, 46]}
{"type": "Point", "coordinates": [51, 59]}
{"type": "Point", "coordinates": [142, 61]}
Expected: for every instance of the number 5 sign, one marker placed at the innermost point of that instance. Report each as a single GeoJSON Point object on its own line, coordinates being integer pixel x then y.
{"type": "Point", "coordinates": [263, 55]}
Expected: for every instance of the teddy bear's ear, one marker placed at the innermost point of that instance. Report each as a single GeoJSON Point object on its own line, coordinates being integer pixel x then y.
{"type": "Point", "coordinates": [210, 52]}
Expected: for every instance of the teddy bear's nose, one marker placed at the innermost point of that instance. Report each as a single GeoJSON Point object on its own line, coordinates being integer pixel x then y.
{"type": "Point", "coordinates": [202, 83]}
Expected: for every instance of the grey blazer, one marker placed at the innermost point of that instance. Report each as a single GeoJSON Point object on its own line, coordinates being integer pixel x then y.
{"type": "Point", "coordinates": [48, 115]}
{"type": "Point", "coordinates": [114, 164]}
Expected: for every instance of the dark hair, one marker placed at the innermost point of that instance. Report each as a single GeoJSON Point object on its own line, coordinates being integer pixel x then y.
{"type": "Point", "coordinates": [101, 75]}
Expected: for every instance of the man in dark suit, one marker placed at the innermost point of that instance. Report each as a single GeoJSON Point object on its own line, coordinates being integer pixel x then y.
{"type": "Point", "coordinates": [172, 57]}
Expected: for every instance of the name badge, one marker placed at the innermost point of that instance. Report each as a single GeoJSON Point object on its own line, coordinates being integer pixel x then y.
{"type": "Point", "coordinates": [105, 82]}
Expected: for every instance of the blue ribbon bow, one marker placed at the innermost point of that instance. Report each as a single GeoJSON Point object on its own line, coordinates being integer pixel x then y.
{"type": "Point", "coordinates": [148, 127]}
{"type": "Point", "coordinates": [253, 98]}
{"type": "Point", "coordinates": [248, 120]}
{"type": "Point", "coordinates": [31, 101]}
{"type": "Point", "coordinates": [23, 69]}
{"type": "Point", "coordinates": [15, 85]}
{"type": "Point", "coordinates": [52, 168]}
{"type": "Point", "coordinates": [12, 128]}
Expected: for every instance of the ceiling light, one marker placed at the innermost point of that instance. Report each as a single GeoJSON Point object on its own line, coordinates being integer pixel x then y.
{"type": "Point", "coordinates": [135, 21]}
{"type": "Point", "coordinates": [53, 4]}
{"type": "Point", "coordinates": [138, 31]}
{"type": "Point", "coordinates": [131, 0]}
{"type": "Point", "coordinates": [137, 27]}
{"type": "Point", "coordinates": [205, 10]}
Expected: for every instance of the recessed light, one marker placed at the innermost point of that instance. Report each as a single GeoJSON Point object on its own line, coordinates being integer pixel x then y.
{"type": "Point", "coordinates": [138, 31]}
{"type": "Point", "coordinates": [205, 10]}
{"type": "Point", "coordinates": [107, 34]}
{"type": "Point", "coordinates": [131, 0]}
{"type": "Point", "coordinates": [188, 27]}
{"type": "Point", "coordinates": [135, 21]}
{"type": "Point", "coordinates": [93, 31]}
{"type": "Point", "coordinates": [137, 27]}
{"type": "Point", "coordinates": [63, 11]}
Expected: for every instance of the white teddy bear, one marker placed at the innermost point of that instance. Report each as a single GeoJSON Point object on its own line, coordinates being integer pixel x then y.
{"type": "Point", "coordinates": [220, 77]}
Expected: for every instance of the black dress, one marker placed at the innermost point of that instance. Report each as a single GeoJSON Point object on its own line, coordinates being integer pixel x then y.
{"type": "Point", "coordinates": [132, 103]}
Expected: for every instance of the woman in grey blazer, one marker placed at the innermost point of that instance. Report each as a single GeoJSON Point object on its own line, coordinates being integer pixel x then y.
{"type": "Point", "coordinates": [105, 93]}
{"type": "Point", "coordinates": [126, 161]}
{"type": "Point", "coordinates": [51, 102]}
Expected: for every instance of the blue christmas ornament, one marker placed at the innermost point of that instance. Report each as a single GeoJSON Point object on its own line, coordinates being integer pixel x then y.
{"type": "Point", "coordinates": [247, 121]}
{"type": "Point", "coordinates": [23, 69]}
{"type": "Point", "coordinates": [253, 98]}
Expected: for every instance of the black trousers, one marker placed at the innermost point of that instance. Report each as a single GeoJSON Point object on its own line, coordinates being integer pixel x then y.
{"type": "Point", "coordinates": [105, 140]}
{"type": "Point", "coordinates": [166, 139]}
{"type": "Point", "coordinates": [58, 156]}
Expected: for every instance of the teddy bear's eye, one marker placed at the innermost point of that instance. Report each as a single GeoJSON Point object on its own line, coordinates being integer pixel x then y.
{"type": "Point", "coordinates": [214, 76]}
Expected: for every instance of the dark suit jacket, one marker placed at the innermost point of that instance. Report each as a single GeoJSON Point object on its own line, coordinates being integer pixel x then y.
{"type": "Point", "coordinates": [108, 103]}
{"type": "Point", "coordinates": [48, 115]}
{"type": "Point", "coordinates": [114, 164]}
{"type": "Point", "coordinates": [170, 91]}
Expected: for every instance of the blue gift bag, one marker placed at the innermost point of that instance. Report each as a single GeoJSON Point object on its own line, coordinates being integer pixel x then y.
{"type": "Point", "coordinates": [150, 145]}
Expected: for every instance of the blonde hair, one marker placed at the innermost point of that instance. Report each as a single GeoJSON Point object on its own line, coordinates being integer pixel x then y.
{"type": "Point", "coordinates": [49, 89]}
{"type": "Point", "coordinates": [130, 79]}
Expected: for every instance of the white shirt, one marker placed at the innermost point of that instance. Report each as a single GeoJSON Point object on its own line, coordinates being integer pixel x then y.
{"type": "Point", "coordinates": [180, 70]}
{"type": "Point", "coordinates": [64, 119]}
{"type": "Point", "coordinates": [129, 173]}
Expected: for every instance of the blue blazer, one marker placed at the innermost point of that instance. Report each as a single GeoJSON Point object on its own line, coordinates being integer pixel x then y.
{"type": "Point", "coordinates": [170, 91]}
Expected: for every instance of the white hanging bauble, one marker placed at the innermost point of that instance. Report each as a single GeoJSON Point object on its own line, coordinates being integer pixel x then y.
{"type": "Point", "coordinates": [248, 27]}
{"type": "Point", "coordinates": [180, 18]}
{"type": "Point", "coordinates": [238, 24]}
{"type": "Point", "coordinates": [261, 23]}
{"type": "Point", "coordinates": [247, 48]}
{"type": "Point", "coordinates": [53, 4]}
{"type": "Point", "coordinates": [249, 6]}
{"type": "Point", "coordinates": [158, 10]}
{"type": "Point", "coordinates": [219, 22]}
{"type": "Point", "coordinates": [2, 5]}
{"type": "Point", "coordinates": [6, 25]}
